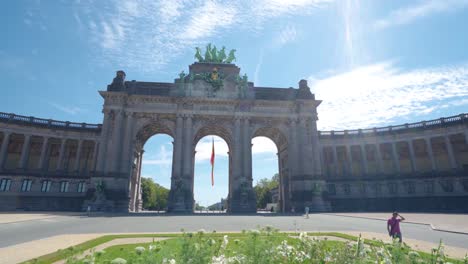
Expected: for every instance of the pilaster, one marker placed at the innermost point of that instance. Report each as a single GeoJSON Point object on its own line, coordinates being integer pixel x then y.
{"type": "Point", "coordinates": [349, 160]}
{"type": "Point", "coordinates": [76, 166]}
{"type": "Point", "coordinates": [365, 164]}
{"type": "Point", "coordinates": [63, 142]}
{"type": "Point", "coordinates": [412, 156]}
{"type": "Point", "coordinates": [335, 160]}
{"type": "Point", "coordinates": [4, 148]}
{"type": "Point", "coordinates": [430, 153]}
{"type": "Point", "coordinates": [42, 159]}
{"type": "Point", "coordinates": [395, 157]}
{"type": "Point", "coordinates": [379, 158]}
{"type": "Point", "coordinates": [25, 152]}
{"type": "Point", "coordinates": [451, 155]}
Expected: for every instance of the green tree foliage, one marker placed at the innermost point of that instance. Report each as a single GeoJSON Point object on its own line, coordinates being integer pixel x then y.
{"type": "Point", "coordinates": [263, 190]}
{"type": "Point", "coordinates": [154, 195]}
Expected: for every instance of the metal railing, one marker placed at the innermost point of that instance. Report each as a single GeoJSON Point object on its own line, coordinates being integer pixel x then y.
{"type": "Point", "coordinates": [47, 123]}
{"type": "Point", "coordinates": [445, 121]}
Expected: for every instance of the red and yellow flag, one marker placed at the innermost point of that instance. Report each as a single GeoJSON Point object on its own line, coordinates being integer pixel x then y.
{"type": "Point", "coordinates": [212, 162]}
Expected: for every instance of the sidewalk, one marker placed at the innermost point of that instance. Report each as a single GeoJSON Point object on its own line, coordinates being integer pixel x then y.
{"type": "Point", "coordinates": [12, 217]}
{"type": "Point", "coordinates": [456, 223]}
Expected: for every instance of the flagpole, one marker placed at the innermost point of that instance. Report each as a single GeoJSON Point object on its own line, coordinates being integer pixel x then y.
{"type": "Point", "coordinates": [212, 161]}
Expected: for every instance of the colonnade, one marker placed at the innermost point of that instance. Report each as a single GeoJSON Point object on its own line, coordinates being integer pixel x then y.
{"type": "Point", "coordinates": [82, 153]}
{"type": "Point", "coordinates": [360, 152]}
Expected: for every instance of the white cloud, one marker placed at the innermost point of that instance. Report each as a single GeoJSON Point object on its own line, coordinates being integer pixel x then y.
{"type": "Point", "coordinates": [287, 35]}
{"type": "Point", "coordinates": [378, 94]}
{"type": "Point", "coordinates": [204, 147]}
{"type": "Point", "coordinates": [145, 35]}
{"type": "Point", "coordinates": [261, 145]}
{"type": "Point", "coordinates": [209, 17]}
{"type": "Point", "coordinates": [408, 14]}
{"type": "Point", "coordinates": [163, 158]}
{"type": "Point", "coordinates": [72, 110]}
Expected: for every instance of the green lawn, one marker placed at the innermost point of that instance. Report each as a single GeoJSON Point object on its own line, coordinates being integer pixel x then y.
{"type": "Point", "coordinates": [265, 246]}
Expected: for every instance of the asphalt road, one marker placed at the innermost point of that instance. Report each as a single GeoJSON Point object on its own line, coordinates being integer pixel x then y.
{"type": "Point", "coordinates": [19, 232]}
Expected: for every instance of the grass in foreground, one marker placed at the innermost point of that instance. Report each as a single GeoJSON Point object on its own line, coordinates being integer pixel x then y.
{"type": "Point", "coordinates": [257, 246]}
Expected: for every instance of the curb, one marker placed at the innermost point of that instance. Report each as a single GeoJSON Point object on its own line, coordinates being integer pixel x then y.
{"type": "Point", "coordinates": [409, 222]}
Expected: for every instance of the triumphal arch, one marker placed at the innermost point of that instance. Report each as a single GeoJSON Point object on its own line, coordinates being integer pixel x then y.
{"type": "Point", "coordinates": [47, 164]}
{"type": "Point", "coordinates": [212, 98]}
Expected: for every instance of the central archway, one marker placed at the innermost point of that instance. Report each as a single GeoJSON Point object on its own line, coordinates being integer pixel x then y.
{"type": "Point", "coordinates": [221, 134]}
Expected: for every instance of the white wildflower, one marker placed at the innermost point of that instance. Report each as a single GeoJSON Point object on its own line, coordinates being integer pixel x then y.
{"type": "Point", "coordinates": [168, 261]}
{"type": "Point", "coordinates": [119, 261]}
{"type": "Point", "coordinates": [413, 254]}
{"type": "Point", "coordinates": [303, 236]}
{"type": "Point", "coordinates": [225, 242]}
{"type": "Point", "coordinates": [139, 250]}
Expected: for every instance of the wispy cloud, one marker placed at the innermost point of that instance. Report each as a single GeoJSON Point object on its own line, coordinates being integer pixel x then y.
{"type": "Point", "coordinates": [408, 14]}
{"type": "Point", "coordinates": [381, 93]}
{"type": "Point", "coordinates": [287, 35]}
{"type": "Point", "coordinates": [72, 110]}
{"type": "Point", "coordinates": [172, 27]}
{"type": "Point", "coordinates": [163, 157]}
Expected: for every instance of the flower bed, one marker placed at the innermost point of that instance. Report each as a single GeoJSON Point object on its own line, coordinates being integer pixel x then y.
{"type": "Point", "coordinates": [263, 246]}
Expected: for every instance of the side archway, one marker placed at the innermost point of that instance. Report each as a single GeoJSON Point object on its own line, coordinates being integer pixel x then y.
{"type": "Point", "coordinates": [147, 131]}
{"type": "Point", "coordinates": [278, 137]}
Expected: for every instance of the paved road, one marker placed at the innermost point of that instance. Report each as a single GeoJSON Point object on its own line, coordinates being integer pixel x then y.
{"type": "Point", "coordinates": [19, 232]}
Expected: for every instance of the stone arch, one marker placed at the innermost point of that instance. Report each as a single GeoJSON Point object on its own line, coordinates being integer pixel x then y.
{"type": "Point", "coordinates": [150, 129]}
{"type": "Point", "coordinates": [279, 138]}
{"type": "Point", "coordinates": [142, 135]}
{"type": "Point", "coordinates": [223, 131]}
{"type": "Point", "coordinates": [274, 133]}
{"type": "Point", "coordinates": [217, 130]}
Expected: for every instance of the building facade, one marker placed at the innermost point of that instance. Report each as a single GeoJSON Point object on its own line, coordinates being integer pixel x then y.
{"type": "Point", "coordinates": [54, 165]}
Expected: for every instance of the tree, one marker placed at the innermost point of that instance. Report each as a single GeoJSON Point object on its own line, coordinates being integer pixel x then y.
{"type": "Point", "coordinates": [154, 195]}
{"type": "Point", "coordinates": [263, 190]}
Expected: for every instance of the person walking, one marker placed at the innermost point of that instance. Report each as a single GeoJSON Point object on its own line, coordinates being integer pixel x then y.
{"type": "Point", "coordinates": [393, 226]}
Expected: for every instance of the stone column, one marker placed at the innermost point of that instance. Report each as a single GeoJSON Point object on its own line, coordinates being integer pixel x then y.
{"type": "Point", "coordinates": [349, 160]}
{"type": "Point", "coordinates": [95, 154]}
{"type": "Point", "coordinates": [106, 127]}
{"type": "Point", "coordinates": [395, 157]}
{"type": "Point", "coordinates": [63, 142]}
{"type": "Point", "coordinates": [139, 202]}
{"type": "Point", "coordinates": [412, 156]}
{"type": "Point", "coordinates": [115, 149]}
{"type": "Point", "coordinates": [25, 152]}
{"type": "Point", "coordinates": [335, 159]}
{"type": "Point", "coordinates": [379, 158]}
{"type": "Point", "coordinates": [42, 158]}
{"type": "Point", "coordinates": [128, 142]}
{"type": "Point", "coordinates": [178, 141]}
{"type": "Point", "coordinates": [293, 149]}
{"type": "Point", "coordinates": [305, 160]}
{"type": "Point", "coordinates": [451, 155]}
{"type": "Point", "coordinates": [76, 166]}
{"type": "Point", "coordinates": [247, 153]}
{"type": "Point", "coordinates": [365, 165]}
{"type": "Point", "coordinates": [4, 148]}
{"type": "Point", "coordinates": [188, 145]}
{"type": "Point", "coordinates": [237, 172]}
{"type": "Point", "coordinates": [430, 153]}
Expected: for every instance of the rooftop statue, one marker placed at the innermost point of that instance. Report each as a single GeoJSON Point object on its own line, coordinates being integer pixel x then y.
{"type": "Point", "coordinates": [212, 55]}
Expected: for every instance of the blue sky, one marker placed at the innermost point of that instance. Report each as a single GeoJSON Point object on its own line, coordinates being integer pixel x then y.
{"type": "Point", "coordinates": [373, 63]}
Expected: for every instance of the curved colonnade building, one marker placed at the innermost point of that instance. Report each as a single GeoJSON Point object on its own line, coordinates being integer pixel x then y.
{"type": "Point", "coordinates": [55, 165]}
